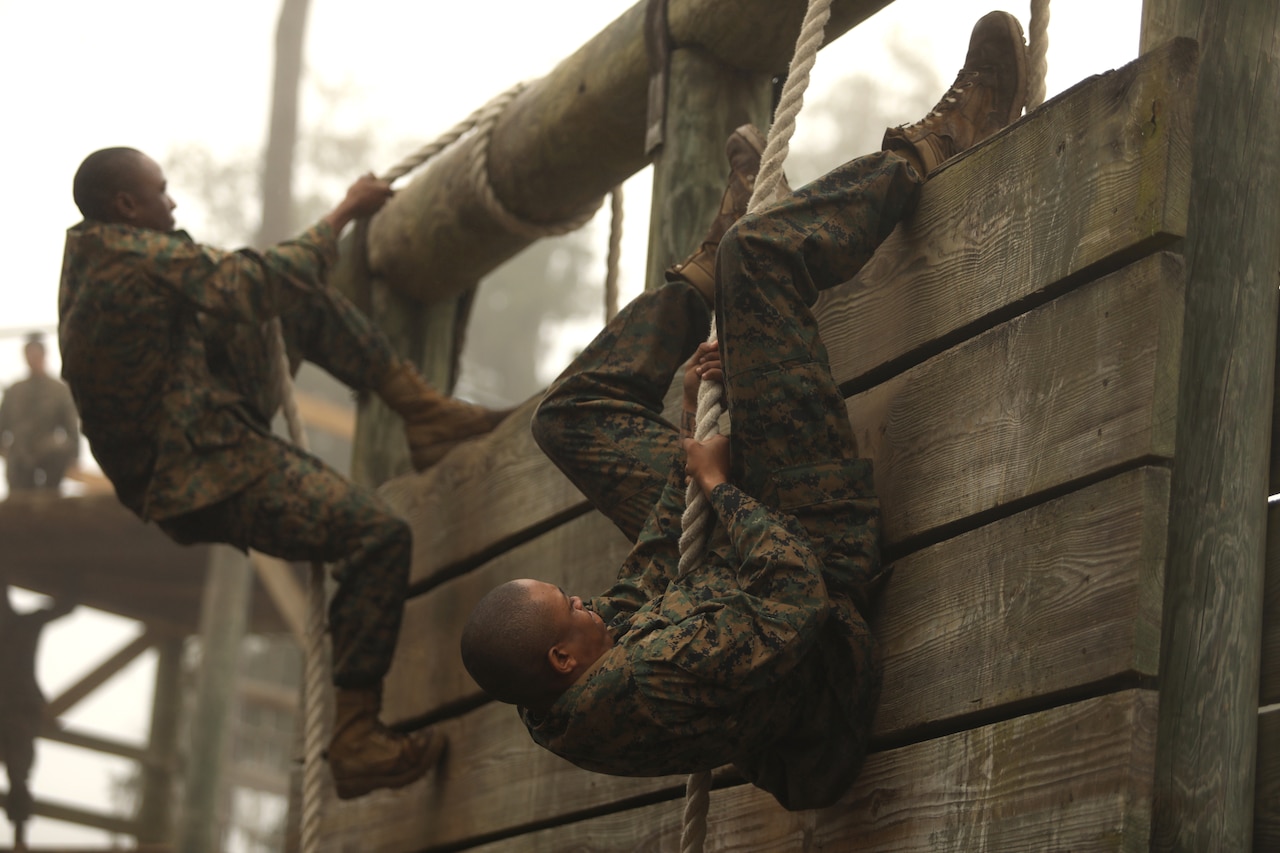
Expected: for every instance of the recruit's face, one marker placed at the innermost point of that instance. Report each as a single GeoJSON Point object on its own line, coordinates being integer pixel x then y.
{"type": "Point", "coordinates": [146, 203]}
{"type": "Point", "coordinates": [582, 633]}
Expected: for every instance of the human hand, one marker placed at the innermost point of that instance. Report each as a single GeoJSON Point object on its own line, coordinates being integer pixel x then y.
{"type": "Point", "coordinates": [365, 197]}
{"type": "Point", "coordinates": [707, 462]}
{"type": "Point", "coordinates": [703, 364]}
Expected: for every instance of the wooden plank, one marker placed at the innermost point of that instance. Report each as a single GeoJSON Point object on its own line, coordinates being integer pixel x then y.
{"type": "Point", "coordinates": [493, 776]}
{"type": "Point", "coordinates": [1079, 386]}
{"type": "Point", "coordinates": [998, 227]}
{"type": "Point", "coordinates": [1266, 808]}
{"type": "Point", "coordinates": [94, 551]}
{"type": "Point", "coordinates": [1076, 777]}
{"type": "Point", "coordinates": [427, 671]}
{"type": "Point", "coordinates": [99, 675]}
{"type": "Point", "coordinates": [1048, 602]}
{"type": "Point", "coordinates": [1044, 603]}
{"type": "Point", "coordinates": [1269, 686]}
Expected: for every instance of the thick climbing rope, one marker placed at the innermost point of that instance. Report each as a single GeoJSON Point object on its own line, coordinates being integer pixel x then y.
{"type": "Point", "coordinates": [698, 516]}
{"type": "Point", "coordinates": [614, 259]}
{"type": "Point", "coordinates": [1037, 53]}
{"type": "Point", "coordinates": [313, 665]}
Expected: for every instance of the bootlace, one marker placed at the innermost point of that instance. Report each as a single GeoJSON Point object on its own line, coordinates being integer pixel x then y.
{"type": "Point", "coordinates": [964, 80]}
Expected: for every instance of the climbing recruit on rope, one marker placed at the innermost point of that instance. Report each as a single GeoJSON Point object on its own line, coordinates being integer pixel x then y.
{"type": "Point", "coordinates": [685, 665]}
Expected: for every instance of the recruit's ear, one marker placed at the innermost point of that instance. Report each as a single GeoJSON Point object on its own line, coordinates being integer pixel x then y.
{"type": "Point", "coordinates": [561, 660]}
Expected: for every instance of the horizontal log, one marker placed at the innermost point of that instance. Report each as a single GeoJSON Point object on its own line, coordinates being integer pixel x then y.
{"type": "Point", "coordinates": [1076, 387]}
{"type": "Point", "coordinates": [567, 140]}
{"type": "Point", "coordinates": [997, 228]}
{"type": "Point", "coordinates": [1077, 777]}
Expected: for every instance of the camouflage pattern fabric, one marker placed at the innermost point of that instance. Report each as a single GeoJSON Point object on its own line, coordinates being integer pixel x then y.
{"type": "Point", "coordinates": [760, 657]}
{"type": "Point", "coordinates": [39, 431]}
{"type": "Point", "coordinates": [165, 348]}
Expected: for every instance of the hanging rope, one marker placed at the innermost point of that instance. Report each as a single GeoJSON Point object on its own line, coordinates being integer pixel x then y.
{"type": "Point", "coordinates": [612, 263]}
{"type": "Point", "coordinates": [698, 517]}
{"type": "Point", "coordinates": [313, 665]}
{"type": "Point", "coordinates": [1037, 53]}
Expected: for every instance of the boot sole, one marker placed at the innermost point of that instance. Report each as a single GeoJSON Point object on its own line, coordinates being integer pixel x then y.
{"type": "Point", "coordinates": [352, 787]}
{"type": "Point", "coordinates": [1020, 54]}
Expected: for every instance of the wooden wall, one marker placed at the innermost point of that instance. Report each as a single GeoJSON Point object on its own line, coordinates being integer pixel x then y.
{"type": "Point", "coordinates": [1010, 360]}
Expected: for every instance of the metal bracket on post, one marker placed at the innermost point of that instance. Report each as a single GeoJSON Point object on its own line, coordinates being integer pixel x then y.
{"type": "Point", "coordinates": [657, 42]}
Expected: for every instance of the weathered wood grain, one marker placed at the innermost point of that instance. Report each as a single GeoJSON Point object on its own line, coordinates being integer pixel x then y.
{"type": "Point", "coordinates": [1077, 777]}
{"type": "Point", "coordinates": [1074, 388]}
{"type": "Point", "coordinates": [1090, 179]}
{"type": "Point", "coordinates": [1045, 603]}
{"type": "Point", "coordinates": [1210, 650]}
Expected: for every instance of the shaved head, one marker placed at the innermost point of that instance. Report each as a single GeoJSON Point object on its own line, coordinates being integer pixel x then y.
{"type": "Point", "coordinates": [103, 174]}
{"type": "Point", "coordinates": [505, 643]}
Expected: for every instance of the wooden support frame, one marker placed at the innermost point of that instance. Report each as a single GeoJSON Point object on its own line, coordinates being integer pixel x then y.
{"type": "Point", "coordinates": [126, 655]}
{"type": "Point", "coordinates": [1211, 642]}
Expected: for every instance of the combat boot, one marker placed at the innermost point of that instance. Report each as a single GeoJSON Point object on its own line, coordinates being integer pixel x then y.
{"type": "Point", "coordinates": [364, 755]}
{"type": "Point", "coordinates": [433, 423]}
{"type": "Point", "coordinates": [989, 93]}
{"type": "Point", "coordinates": [743, 148]}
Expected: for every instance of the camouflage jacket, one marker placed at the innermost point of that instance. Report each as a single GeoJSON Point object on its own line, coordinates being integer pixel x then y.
{"type": "Point", "coordinates": [37, 417]}
{"type": "Point", "coordinates": [135, 310]}
{"type": "Point", "coordinates": [731, 664]}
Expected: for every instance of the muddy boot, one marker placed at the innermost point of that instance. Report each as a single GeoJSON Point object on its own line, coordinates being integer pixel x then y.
{"type": "Point", "coordinates": [744, 147]}
{"type": "Point", "coordinates": [433, 423]}
{"type": "Point", "coordinates": [365, 755]}
{"type": "Point", "coordinates": [989, 93]}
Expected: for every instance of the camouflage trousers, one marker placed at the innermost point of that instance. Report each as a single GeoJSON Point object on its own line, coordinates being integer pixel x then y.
{"type": "Point", "coordinates": [300, 509]}
{"type": "Point", "coordinates": [791, 443]}
{"type": "Point", "coordinates": [601, 422]}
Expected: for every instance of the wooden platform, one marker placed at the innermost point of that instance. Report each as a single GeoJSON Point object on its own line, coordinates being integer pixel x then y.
{"type": "Point", "coordinates": [1011, 364]}
{"type": "Point", "coordinates": [99, 554]}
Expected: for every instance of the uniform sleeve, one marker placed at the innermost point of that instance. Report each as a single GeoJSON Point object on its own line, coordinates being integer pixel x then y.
{"type": "Point", "coordinates": [244, 285]}
{"type": "Point", "coordinates": [724, 636]}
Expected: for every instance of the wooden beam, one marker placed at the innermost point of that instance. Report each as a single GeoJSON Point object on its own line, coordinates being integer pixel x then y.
{"type": "Point", "coordinates": [62, 703]}
{"type": "Point", "coordinates": [52, 731]}
{"type": "Point", "coordinates": [567, 140]}
{"type": "Point", "coordinates": [223, 618]}
{"type": "Point", "coordinates": [706, 100]}
{"type": "Point", "coordinates": [1266, 808]}
{"type": "Point", "coordinates": [319, 413]}
{"type": "Point", "coordinates": [1269, 679]}
{"type": "Point", "coordinates": [79, 816]}
{"type": "Point", "coordinates": [1209, 669]}
{"type": "Point", "coordinates": [155, 809]}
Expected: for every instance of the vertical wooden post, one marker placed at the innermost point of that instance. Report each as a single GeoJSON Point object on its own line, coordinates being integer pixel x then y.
{"type": "Point", "coordinates": [705, 102]}
{"type": "Point", "coordinates": [224, 616]}
{"type": "Point", "coordinates": [1163, 20]}
{"type": "Point", "coordinates": [155, 813]}
{"type": "Point", "coordinates": [1206, 742]}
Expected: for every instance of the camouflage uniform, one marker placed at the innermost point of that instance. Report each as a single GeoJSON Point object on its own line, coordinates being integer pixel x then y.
{"type": "Point", "coordinates": [760, 657]}
{"type": "Point", "coordinates": [43, 433]}
{"type": "Point", "coordinates": [166, 352]}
